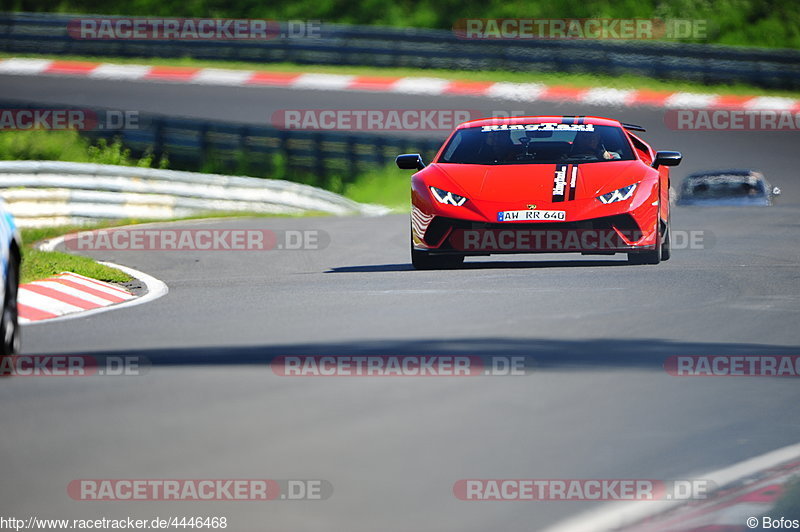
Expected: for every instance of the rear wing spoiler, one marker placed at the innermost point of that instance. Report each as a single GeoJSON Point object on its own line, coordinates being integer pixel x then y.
{"type": "Point", "coordinates": [633, 127]}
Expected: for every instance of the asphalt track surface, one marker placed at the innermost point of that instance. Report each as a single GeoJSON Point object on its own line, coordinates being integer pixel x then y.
{"type": "Point", "coordinates": [595, 332]}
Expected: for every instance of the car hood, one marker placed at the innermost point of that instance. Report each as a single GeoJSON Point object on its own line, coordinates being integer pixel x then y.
{"type": "Point", "coordinates": [535, 181]}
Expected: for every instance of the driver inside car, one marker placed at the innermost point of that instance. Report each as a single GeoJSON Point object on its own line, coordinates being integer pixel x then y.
{"type": "Point", "coordinates": [588, 143]}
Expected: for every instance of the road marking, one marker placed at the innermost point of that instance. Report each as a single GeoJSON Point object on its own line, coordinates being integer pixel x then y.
{"type": "Point", "coordinates": [432, 86]}
{"type": "Point", "coordinates": [24, 66]}
{"type": "Point", "coordinates": [219, 76]}
{"type": "Point", "coordinates": [404, 85]}
{"type": "Point", "coordinates": [617, 515]}
{"type": "Point", "coordinates": [119, 72]}
{"type": "Point", "coordinates": [76, 296]}
{"type": "Point", "coordinates": [322, 81]}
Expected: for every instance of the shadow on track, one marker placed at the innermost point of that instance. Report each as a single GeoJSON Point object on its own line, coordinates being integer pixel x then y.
{"type": "Point", "coordinates": [485, 266]}
{"type": "Point", "coordinates": [599, 354]}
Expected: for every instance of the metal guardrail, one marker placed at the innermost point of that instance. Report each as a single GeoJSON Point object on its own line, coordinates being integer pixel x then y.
{"type": "Point", "coordinates": [53, 193]}
{"type": "Point", "coordinates": [309, 157]}
{"type": "Point", "coordinates": [423, 48]}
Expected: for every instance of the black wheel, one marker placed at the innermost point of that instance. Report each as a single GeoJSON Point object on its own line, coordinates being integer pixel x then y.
{"type": "Point", "coordinates": [645, 257]}
{"type": "Point", "coordinates": [648, 257]}
{"type": "Point", "coordinates": [9, 324]}
{"type": "Point", "coordinates": [666, 246]}
{"type": "Point", "coordinates": [425, 261]}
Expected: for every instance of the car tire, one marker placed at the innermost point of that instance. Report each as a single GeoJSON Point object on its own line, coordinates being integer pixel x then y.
{"type": "Point", "coordinates": [9, 323]}
{"type": "Point", "coordinates": [648, 257]}
{"type": "Point", "coordinates": [425, 261]}
{"type": "Point", "coordinates": [645, 257]}
{"type": "Point", "coordinates": [666, 244]}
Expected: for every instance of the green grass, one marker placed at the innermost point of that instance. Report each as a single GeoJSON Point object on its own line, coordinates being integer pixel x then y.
{"type": "Point", "coordinates": [388, 186]}
{"type": "Point", "coordinates": [42, 145]}
{"type": "Point", "coordinates": [548, 78]}
{"type": "Point", "coordinates": [38, 265]}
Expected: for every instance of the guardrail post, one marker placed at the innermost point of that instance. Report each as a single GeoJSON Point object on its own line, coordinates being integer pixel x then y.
{"type": "Point", "coordinates": [319, 156]}
{"type": "Point", "coordinates": [352, 157]}
{"type": "Point", "coordinates": [7, 29]}
{"type": "Point", "coordinates": [243, 165]}
{"type": "Point", "coordinates": [158, 137]}
{"type": "Point", "coordinates": [202, 139]}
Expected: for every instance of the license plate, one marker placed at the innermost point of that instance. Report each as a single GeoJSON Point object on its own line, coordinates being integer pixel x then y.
{"type": "Point", "coordinates": [530, 215]}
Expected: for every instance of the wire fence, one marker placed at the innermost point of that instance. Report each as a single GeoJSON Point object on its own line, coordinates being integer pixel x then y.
{"type": "Point", "coordinates": [336, 44]}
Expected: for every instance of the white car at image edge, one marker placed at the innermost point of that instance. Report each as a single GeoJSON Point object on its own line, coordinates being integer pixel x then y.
{"type": "Point", "coordinates": [9, 266]}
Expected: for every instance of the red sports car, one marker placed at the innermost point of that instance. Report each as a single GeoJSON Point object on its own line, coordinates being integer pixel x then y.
{"type": "Point", "coordinates": [540, 184]}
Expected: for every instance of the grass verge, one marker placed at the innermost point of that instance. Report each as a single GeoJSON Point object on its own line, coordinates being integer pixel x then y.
{"type": "Point", "coordinates": [387, 186]}
{"type": "Point", "coordinates": [547, 78]}
{"type": "Point", "coordinates": [38, 264]}
{"type": "Point", "coordinates": [44, 145]}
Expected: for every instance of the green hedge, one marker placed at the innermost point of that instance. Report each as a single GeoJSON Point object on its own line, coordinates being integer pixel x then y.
{"type": "Point", "coordinates": [69, 146]}
{"type": "Point", "coordinates": [770, 23]}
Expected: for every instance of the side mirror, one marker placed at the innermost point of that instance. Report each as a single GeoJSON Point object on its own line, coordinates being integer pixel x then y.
{"type": "Point", "coordinates": [667, 158]}
{"type": "Point", "coordinates": [776, 191]}
{"type": "Point", "coordinates": [410, 161]}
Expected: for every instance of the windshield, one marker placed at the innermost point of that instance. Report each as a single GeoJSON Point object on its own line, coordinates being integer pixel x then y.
{"type": "Point", "coordinates": [537, 144]}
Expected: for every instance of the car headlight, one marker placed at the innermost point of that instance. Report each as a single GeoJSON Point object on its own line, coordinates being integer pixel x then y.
{"type": "Point", "coordinates": [621, 194]}
{"type": "Point", "coordinates": [448, 198]}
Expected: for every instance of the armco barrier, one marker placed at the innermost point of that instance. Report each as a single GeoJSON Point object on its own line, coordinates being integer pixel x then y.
{"type": "Point", "coordinates": [312, 157]}
{"type": "Point", "coordinates": [52, 193]}
{"type": "Point", "coordinates": [422, 48]}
